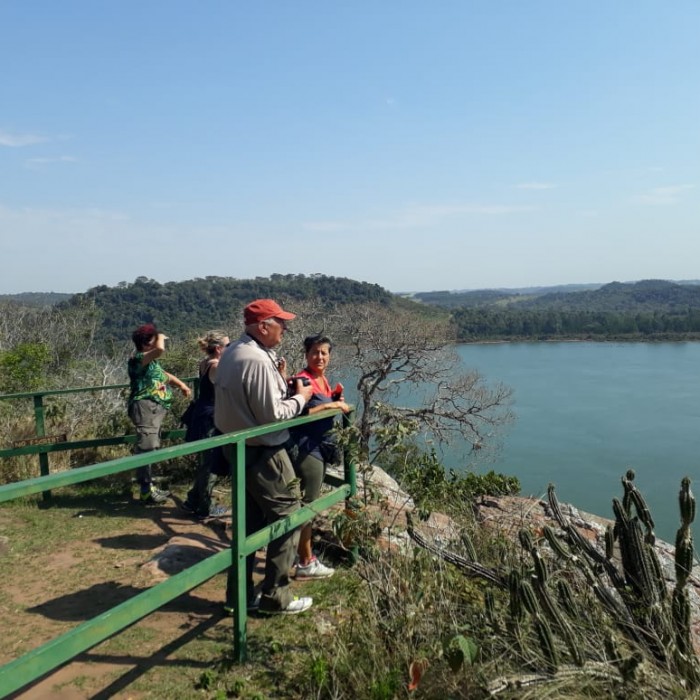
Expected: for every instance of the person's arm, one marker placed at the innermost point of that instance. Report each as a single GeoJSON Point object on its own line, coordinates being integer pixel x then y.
{"type": "Point", "coordinates": [327, 407]}
{"type": "Point", "coordinates": [211, 370]}
{"type": "Point", "coordinates": [155, 352]}
{"type": "Point", "coordinates": [262, 382]}
{"type": "Point", "coordinates": [174, 381]}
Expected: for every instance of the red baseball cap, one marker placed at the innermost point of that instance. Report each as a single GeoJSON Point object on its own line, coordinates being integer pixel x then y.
{"type": "Point", "coordinates": [262, 309]}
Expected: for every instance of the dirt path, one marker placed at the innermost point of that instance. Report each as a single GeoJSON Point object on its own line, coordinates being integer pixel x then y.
{"type": "Point", "coordinates": [49, 592]}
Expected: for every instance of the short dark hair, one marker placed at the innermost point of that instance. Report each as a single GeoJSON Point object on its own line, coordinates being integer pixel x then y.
{"type": "Point", "coordinates": [318, 339]}
{"type": "Point", "coordinates": [142, 335]}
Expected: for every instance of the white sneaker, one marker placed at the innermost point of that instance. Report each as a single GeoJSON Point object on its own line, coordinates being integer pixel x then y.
{"type": "Point", "coordinates": [297, 605]}
{"type": "Point", "coordinates": [314, 569]}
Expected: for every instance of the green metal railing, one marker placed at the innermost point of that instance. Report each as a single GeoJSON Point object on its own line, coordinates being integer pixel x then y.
{"type": "Point", "coordinates": [49, 656]}
{"type": "Point", "coordinates": [42, 445]}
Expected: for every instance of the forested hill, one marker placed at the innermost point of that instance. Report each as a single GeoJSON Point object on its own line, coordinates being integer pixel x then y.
{"type": "Point", "coordinates": [499, 297]}
{"type": "Point", "coordinates": [36, 298]}
{"type": "Point", "coordinates": [211, 302]}
{"type": "Point", "coordinates": [651, 309]}
{"type": "Point", "coordinates": [647, 295]}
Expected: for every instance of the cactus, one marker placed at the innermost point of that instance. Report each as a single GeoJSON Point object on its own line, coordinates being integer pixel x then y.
{"type": "Point", "coordinates": [468, 546]}
{"type": "Point", "coordinates": [527, 596]}
{"type": "Point", "coordinates": [634, 497]}
{"type": "Point", "coordinates": [609, 541]}
{"type": "Point", "coordinates": [680, 605]}
{"type": "Point", "coordinates": [526, 540]}
{"type": "Point", "coordinates": [490, 606]}
{"type": "Point", "coordinates": [566, 598]}
{"type": "Point", "coordinates": [516, 608]}
{"type": "Point", "coordinates": [641, 607]}
{"type": "Point", "coordinates": [686, 502]}
{"type": "Point", "coordinates": [631, 590]}
{"type": "Point", "coordinates": [544, 634]}
{"type": "Point", "coordinates": [555, 543]}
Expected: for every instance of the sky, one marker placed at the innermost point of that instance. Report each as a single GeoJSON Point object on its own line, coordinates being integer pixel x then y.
{"type": "Point", "coordinates": [420, 146]}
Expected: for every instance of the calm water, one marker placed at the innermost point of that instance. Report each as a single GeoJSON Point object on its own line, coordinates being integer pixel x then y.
{"type": "Point", "coordinates": [586, 412]}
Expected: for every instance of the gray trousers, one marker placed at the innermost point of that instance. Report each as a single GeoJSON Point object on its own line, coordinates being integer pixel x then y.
{"type": "Point", "coordinates": [147, 416]}
{"type": "Point", "coordinates": [272, 493]}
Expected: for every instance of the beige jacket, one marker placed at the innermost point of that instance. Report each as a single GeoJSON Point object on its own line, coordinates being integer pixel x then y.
{"type": "Point", "coordinates": [250, 392]}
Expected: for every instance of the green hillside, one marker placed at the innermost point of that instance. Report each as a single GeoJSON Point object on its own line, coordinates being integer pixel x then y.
{"type": "Point", "coordinates": [212, 302]}
{"type": "Point", "coordinates": [647, 295]}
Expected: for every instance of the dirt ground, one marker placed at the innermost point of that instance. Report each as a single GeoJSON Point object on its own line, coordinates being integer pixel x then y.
{"type": "Point", "coordinates": [47, 594]}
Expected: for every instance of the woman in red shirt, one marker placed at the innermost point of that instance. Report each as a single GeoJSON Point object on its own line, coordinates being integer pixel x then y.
{"type": "Point", "coordinates": [311, 462]}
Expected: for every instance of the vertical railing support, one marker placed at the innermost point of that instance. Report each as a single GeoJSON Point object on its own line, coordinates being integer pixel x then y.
{"type": "Point", "coordinates": [236, 590]}
{"type": "Point", "coordinates": [350, 476]}
{"type": "Point", "coordinates": [40, 430]}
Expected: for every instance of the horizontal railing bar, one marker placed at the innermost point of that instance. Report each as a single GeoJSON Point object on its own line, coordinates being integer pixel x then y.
{"type": "Point", "coordinates": [73, 390]}
{"type": "Point", "coordinates": [271, 532]}
{"type": "Point", "coordinates": [82, 444]}
{"type": "Point", "coordinates": [121, 464]}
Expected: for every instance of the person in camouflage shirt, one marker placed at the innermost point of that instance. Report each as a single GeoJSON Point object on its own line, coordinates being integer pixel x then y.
{"type": "Point", "coordinates": [149, 400]}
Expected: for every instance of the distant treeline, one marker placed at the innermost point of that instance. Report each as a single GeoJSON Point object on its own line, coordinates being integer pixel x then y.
{"type": "Point", "coordinates": [647, 295]}
{"type": "Point", "coordinates": [39, 299]}
{"type": "Point", "coordinates": [510, 324]}
{"type": "Point", "coordinates": [211, 302]}
{"type": "Point", "coordinates": [650, 309]}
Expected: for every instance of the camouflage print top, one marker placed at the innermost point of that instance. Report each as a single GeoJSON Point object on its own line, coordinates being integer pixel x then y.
{"type": "Point", "coordinates": [148, 381]}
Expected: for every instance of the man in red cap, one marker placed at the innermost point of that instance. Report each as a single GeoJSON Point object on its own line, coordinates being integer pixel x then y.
{"type": "Point", "coordinates": [250, 391]}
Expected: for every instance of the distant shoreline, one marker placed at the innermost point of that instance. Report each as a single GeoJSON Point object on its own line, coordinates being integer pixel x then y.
{"type": "Point", "coordinates": [694, 338]}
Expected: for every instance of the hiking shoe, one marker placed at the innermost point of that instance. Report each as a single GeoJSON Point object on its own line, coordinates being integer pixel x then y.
{"type": "Point", "coordinates": [297, 605]}
{"type": "Point", "coordinates": [252, 606]}
{"type": "Point", "coordinates": [214, 511]}
{"type": "Point", "coordinates": [154, 496]}
{"type": "Point", "coordinates": [314, 569]}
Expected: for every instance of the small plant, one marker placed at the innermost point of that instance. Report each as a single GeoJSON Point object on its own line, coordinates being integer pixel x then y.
{"type": "Point", "coordinates": [432, 488]}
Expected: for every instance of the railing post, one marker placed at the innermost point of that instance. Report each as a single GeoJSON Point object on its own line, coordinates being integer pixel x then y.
{"type": "Point", "coordinates": [41, 432]}
{"type": "Point", "coordinates": [350, 471]}
{"type": "Point", "coordinates": [350, 476]}
{"type": "Point", "coordinates": [236, 590]}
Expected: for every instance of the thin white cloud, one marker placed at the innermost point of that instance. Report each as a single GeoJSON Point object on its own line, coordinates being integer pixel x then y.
{"type": "Point", "coordinates": [536, 186]}
{"type": "Point", "coordinates": [19, 140]}
{"type": "Point", "coordinates": [36, 217]}
{"type": "Point", "coordinates": [419, 216]}
{"type": "Point", "coordinates": [35, 163]}
{"type": "Point", "coordinates": [663, 196]}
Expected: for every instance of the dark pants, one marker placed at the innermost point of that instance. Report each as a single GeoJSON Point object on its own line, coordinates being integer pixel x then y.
{"type": "Point", "coordinates": [199, 496]}
{"type": "Point", "coordinates": [272, 493]}
{"type": "Point", "coordinates": [311, 471]}
{"type": "Point", "coordinates": [147, 416]}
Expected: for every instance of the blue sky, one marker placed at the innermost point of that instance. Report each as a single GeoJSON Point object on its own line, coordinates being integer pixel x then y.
{"type": "Point", "coordinates": [417, 145]}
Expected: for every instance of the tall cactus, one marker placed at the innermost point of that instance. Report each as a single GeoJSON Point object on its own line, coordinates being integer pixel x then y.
{"type": "Point", "coordinates": [630, 588]}
{"type": "Point", "coordinates": [641, 607]}
{"type": "Point", "coordinates": [680, 606]}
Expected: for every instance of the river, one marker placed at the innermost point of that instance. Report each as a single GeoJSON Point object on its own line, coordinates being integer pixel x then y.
{"type": "Point", "coordinates": [586, 412]}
